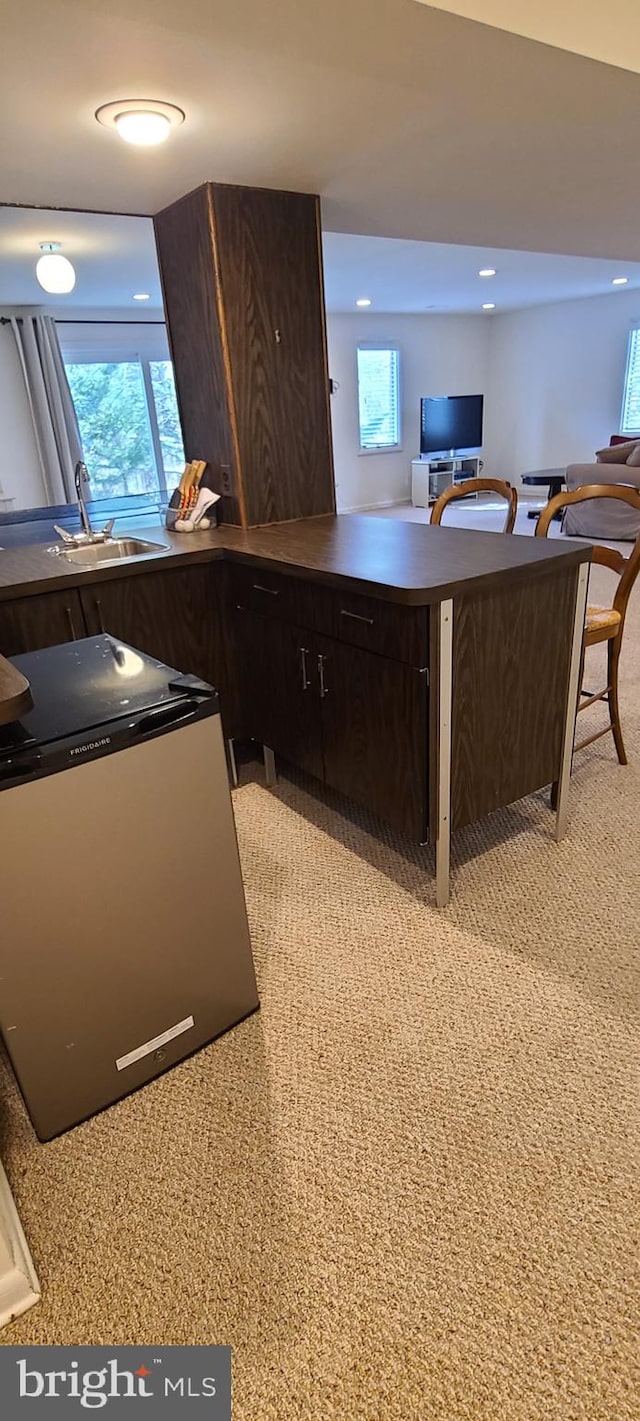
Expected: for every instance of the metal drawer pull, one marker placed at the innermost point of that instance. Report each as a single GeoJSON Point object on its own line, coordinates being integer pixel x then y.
{"type": "Point", "coordinates": [71, 626]}
{"type": "Point", "coordinates": [355, 616]}
{"type": "Point", "coordinates": [304, 652]}
{"type": "Point", "coordinates": [323, 689]}
{"type": "Point", "coordinates": [98, 607]}
{"type": "Point", "coordinates": [257, 587]}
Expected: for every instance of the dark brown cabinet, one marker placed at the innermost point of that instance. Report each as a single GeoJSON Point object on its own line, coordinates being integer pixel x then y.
{"type": "Point", "coordinates": [374, 732]}
{"type": "Point", "coordinates": [378, 655]}
{"type": "Point", "coordinates": [354, 719]}
{"type": "Point", "coordinates": [29, 623]}
{"type": "Point", "coordinates": [277, 685]}
{"type": "Point", "coordinates": [171, 615]}
{"type": "Point", "coordinates": [243, 294]}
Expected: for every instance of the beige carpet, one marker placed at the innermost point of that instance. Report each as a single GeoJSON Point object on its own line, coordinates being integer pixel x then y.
{"type": "Point", "coordinates": [408, 1187]}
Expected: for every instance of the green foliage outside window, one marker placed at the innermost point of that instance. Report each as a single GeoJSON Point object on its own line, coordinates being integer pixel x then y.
{"type": "Point", "coordinates": [115, 426]}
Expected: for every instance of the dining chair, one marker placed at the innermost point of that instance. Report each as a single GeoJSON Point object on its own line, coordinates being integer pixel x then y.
{"type": "Point", "coordinates": [468, 486]}
{"type": "Point", "coordinates": [603, 623]}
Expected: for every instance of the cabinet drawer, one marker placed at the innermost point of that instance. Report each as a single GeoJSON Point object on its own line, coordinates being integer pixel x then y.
{"type": "Point", "coordinates": [401, 633]}
{"type": "Point", "coordinates": [266, 592]}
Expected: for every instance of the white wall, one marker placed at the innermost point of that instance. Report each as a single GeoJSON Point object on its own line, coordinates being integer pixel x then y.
{"type": "Point", "coordinates": [555, 382]}
{"type": "Point", "coordinates": [552, 378]}
{"type": "Point", "coordinates": [439, 355]}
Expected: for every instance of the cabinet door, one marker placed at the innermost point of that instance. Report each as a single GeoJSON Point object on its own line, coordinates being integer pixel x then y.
{"type": "Point", "coordinates": [187, 262]}
{"type": "Point", "coordinates": [30, 623]}
{"type": "Point", "coordinates": [278, 685]}
{"type": "Point", "coordinates": [375, 733]}
{"type": "Point", "coordinates": [271, 286]}
{"type": "Point", "coordinates": [170, 615]}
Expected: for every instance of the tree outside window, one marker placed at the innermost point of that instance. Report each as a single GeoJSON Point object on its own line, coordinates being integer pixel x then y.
{"type": "Point", "coordinates": [128, 417]}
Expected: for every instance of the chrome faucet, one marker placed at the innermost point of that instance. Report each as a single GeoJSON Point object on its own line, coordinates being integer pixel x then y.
{"type": "Point", "coordinates": [80, 477]}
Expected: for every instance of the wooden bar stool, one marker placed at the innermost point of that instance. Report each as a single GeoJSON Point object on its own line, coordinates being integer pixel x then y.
{"type": "Point", "coordinates": [469, 486]}
{"type": "Point", "coordinates": [603, 623]}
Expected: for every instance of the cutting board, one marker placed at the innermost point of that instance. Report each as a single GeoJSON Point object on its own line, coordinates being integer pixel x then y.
{"type": "Point", "coordinates": [15, 694]}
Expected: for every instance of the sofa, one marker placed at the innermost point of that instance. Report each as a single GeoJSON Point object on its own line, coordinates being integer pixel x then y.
{"type": "Point", "coordinates": [619, 463]}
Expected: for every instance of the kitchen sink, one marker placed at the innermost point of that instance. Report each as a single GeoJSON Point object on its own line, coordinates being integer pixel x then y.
{"type": "Point", "coordinates": [113, 550]}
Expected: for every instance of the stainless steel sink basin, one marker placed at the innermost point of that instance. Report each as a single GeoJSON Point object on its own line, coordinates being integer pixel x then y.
{"type": "Point", "coordinates": [113, 550]}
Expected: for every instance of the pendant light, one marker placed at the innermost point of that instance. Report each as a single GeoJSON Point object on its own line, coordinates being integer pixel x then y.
{"type": "Point", "coordinates": [54, 272]}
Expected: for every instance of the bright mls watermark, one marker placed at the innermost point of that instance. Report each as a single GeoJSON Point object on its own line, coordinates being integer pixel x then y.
{"type": "Point", "coordinates": [58, 1382]}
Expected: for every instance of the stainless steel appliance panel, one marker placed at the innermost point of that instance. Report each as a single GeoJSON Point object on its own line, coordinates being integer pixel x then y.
{"type": "Point", "coordinates": [122, 916]}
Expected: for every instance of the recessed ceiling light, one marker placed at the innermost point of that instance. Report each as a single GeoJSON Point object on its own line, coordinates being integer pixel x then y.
{"type": "Point", "coordinates": [53, 271]}
{"type": "Point", "coordinates": [620, 281]}
{"type": "Point", "coordinates": [488, 305]}
{"type": "Point", "coordinates": [141, 296]}
{"type": "Point", "coordinates": [144, 122]}
{"type": "Point", "coordinates": [363, 301]}
{"type": "Point", "coordinates": [487, 271]}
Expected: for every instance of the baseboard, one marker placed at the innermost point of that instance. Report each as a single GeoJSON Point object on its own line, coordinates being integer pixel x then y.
{"type": "Point", "coordinates": [382, 503]}
{"type": "Point", "coordinates": [19, 1286]}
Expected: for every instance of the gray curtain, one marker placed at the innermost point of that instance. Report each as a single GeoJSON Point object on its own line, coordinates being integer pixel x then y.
{"type": "Point", "coordinates": [52, 409]}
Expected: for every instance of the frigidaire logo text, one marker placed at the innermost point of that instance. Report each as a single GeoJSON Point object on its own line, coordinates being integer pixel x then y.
{"type": "Point", "coordinates": [90, 745]}
{"type": "Point", "coordinates": [94, 1389]}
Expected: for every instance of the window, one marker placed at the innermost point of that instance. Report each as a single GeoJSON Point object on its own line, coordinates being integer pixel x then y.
{"type": "Point", "coordinates": [379, 396]}
{"type": "Point", "coordinates": [122, 386]}
{"type": "Point", "coordinates": [630, 423]}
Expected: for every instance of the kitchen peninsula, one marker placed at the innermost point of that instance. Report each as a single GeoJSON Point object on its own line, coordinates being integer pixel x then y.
{"type": "Point", "coordinates": [431, 674]}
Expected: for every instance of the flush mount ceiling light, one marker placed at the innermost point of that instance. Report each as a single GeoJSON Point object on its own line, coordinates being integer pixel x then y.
{"type": "Point", "coordinates": [145, 122]}
{"type": "Point", "coordinates": [142, 296]}
{"type": "Point", "coordinates": [54, 272]}
{"type": "Point", "coordinates": [363, 301]}
{"type": "Point", "coordinates": [488, 305]}
{"type": "Point", "coordinates": [620, 281]}
{"type": "Point", "coordinates": [487, 271]}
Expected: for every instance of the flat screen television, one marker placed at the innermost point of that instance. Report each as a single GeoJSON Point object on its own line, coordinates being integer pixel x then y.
{"type": "Point", "coordinates": [451, 424]}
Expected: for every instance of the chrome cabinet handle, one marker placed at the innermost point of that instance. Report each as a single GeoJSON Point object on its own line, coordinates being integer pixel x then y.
{"type": "Point", "coordinates": [257, 587]}
{"type": "Point", "coordinates": [71, 626]}
{"type": "Point", "coordinates": [304, 652]}
{"type": "Point", "coordinates": [355, 616]}
{"type": "Point", "coordinates": [323, 689]}
{"type": "Point", "coordinates": [98, 606]}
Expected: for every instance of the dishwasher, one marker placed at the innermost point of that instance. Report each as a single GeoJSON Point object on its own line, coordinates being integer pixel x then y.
{"type": "Point", "coordinates": [124, 942]}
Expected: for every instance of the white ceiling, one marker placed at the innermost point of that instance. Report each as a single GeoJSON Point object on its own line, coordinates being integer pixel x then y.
{"type": "Point", "coordinates": [423, 276]}
{"type": "Point", "coordinates": [115, 257]}
{"type": "Point", "coordinates": [410, 122]}
{"type": "Point", "coordinates": [608, 32]}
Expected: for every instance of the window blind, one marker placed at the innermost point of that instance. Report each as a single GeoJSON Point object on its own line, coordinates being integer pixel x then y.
{"type": "Point", "coordinates": [112, 340]}
{"type": "Point", "coordinates": [630, 423]}
{"type": "Point", "coordinates": [379, 397]}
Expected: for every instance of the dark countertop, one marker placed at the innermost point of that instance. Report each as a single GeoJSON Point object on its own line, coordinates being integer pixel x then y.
{"type": "Point", "coordinates": [395, 559]}
{"type": "Point", "coordinates": [25, 571]}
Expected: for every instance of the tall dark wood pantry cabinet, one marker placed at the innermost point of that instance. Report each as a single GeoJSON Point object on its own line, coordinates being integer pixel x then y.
{"type": "Point", "coordinates": [241, 274]}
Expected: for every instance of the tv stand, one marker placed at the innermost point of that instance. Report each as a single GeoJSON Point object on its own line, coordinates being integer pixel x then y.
{"type": "Point", "coordinates": [430, 476]}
